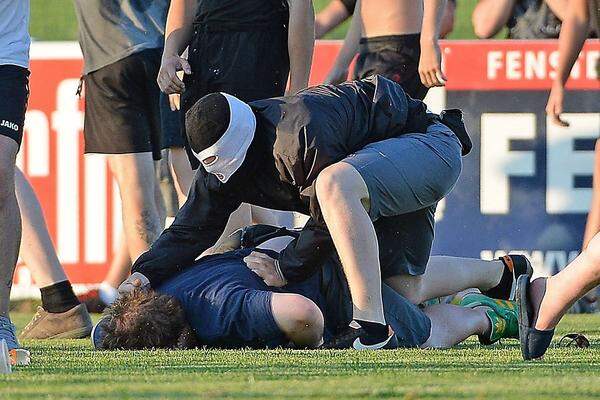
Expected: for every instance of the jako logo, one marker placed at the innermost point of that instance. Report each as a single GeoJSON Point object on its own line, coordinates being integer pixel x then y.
{"type": "Point", "coordinates": [9, 125]}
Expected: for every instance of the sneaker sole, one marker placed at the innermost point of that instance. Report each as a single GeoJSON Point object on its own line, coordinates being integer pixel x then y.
{"type": "Point", "coordinates": [524, 323]}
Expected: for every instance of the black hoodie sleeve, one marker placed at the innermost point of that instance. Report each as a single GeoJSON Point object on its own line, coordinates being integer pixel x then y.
{"type": "Point", "coordinates": [306, 254]}
{"type": "Point", "coordinates": [197, 226]}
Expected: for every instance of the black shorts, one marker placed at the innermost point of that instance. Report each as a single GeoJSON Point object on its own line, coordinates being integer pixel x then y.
{"type": "Point", "coordinates": [14, 90]}
{"type": "Point", "coordinates": [122, 111]}
{"type": "Point", "coordinates": [405, 242]}
{"type": "Point", "coordinates": [250, 65]}
{"type": "Point", "coordinates": [395, 57]}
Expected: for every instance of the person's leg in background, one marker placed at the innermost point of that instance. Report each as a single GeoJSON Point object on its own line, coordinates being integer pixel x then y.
{"type": "Point", "coordinates": [446, 276]}
{"type": "Point", "coordinates": [10, 234]}
{"type": "Point", "coordinates": [135, 176]}
{"type": "Point", "coordinates": [61, 314]}
{"type": "Point", "coordinates": [445, 325]}
{"type": "Point", "coordinates": [588, 302]}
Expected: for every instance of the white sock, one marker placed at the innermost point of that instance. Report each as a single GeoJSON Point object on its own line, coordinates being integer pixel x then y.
{"type": "Point", "coordinates": [107, 293]}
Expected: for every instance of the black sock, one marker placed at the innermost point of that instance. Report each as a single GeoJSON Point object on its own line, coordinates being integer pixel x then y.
{"type": "Point", "coordinates": [504, 285]}
{"type": "Point", "coordinates": [59, 297]}
{"type": "Point", "coordinates": [374, 332]}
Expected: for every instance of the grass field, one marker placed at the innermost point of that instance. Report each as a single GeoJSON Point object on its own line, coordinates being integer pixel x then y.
{"type": "Point", "coordinates": [71, 370]}
{"type": "Point", "coordinates": [55, 20]}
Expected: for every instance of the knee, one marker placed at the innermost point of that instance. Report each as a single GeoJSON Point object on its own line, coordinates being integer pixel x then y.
{"type": "Point", "coordinates": [410, 287]}
{"type": "Point", "coordinates": [593, 250]}
{"type": "Point", "coordinates": [339, 182]}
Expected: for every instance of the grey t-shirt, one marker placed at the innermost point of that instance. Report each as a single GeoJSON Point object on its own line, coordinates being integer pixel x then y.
{"type": "Point", "coordinates": [110, 30]}
{"type": "Point", "coordinates": [14, 33]}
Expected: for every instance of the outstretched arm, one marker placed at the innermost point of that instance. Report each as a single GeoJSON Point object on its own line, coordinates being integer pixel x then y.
{"type": "Point", "coordinates": [198, 225]}
{"type": "Point", "coordinates": [490, 16]}
{"type": "Point", "coordinates": [336, 12]}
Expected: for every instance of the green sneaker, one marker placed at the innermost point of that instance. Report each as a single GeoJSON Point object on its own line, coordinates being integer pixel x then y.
{"type": "Point", "coordinates": [503, 315]}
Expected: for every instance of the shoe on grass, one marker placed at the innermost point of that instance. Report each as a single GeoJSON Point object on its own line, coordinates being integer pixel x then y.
{"type": "Point", "coordinates": [72, 324]}
{"type": "Point", "coordinates": [16, 355]}
{"type": "Point", "coordinates": [515, 265]}
{"type": "Point", "coordinates": [503, 316]}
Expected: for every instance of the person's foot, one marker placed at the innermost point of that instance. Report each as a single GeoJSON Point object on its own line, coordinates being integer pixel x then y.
{"type": "Point", "coordinates": [72, 324]}
{"type": "Point", "coordinates": [534, 342]}
{"type": "Point", "coordinates": [503, 316]}
{"type": "Point", "coordinates": [344, 339]}
{"type": "Point", "coordinates": [390, 343]}
{"type": "Point", "coordinates": [17, 355]}
{"type": "Point", "coordinates": [515, 265]}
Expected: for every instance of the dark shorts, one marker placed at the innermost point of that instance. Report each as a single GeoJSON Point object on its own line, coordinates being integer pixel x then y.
{"type": "Point", "coordinates": [395, 57]}
{"type": "Point", "coordinates": [250, 65]}
{"type": "Point", "coordinates": [122, 111]}
{"type": "Point", "coordinates": [14, 92]}
{"type": "Point", "coordinates": [170, 122]}
{"type": "Point", "coordinates": [406, 177]}
{"type": "Point", "coordinates": [409, 322]}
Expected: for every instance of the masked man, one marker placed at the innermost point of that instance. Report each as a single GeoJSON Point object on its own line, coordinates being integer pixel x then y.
{"type": "Point", "coordinates": [353, 155]}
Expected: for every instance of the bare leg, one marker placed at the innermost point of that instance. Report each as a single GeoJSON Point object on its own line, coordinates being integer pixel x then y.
{"type": "Point", "coordinates": [566, 287]}
{"type": "Point", "coordinates": [10, 221]}
{"type": "Point", "coordinates": [342, 195]}
{"type": "Point", "coordinates": [448, 275]}
{"type": "Point", "coordinates": [120, 266]}
{"type": "Point", "coordinates": [37, 250]}
{"type": "Point", "coordinates": [182, 172]}
{"type": "Point", "coordinates": [452, 324]}
{"type": "Point", "coordinates": [593, 220]}
{"type": "Point", "coordinates": [136, 178]}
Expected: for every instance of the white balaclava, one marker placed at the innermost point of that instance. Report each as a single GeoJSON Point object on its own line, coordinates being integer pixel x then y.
{"type": "Point", "coordinates": [230, 150]}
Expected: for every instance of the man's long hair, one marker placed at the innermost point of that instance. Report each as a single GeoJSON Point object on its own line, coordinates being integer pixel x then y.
{"type": "Point", "coordinates": [144, 319]}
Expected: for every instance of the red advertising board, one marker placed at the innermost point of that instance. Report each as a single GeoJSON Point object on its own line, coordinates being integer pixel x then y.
{"type": "Point", "coordinates": [79, 199]}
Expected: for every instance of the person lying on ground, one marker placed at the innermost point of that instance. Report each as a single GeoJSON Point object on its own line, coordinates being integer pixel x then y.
{"type": "Point", "coordinates": [220, 302]}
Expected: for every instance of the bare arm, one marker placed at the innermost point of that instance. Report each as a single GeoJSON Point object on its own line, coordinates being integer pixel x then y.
{"type": "Point", "coordinates": [339, 72]}
{"type": "Point", "coordinates": [178, 34]}
{"type": "Point", "coordinates": [298, 318]}
{"type": "Point", "coordinates": [331, 16]}
{"type": "Point", "coordinates": [430, 62]}
{"type": "Point", "coordinates": [573, 33]}
{"type": "Point", "coordinates": [490, 16]}
{"type": "Point", "coordinates": [301, 42]}
{"type": "Point", "coordinates": [559, 8]}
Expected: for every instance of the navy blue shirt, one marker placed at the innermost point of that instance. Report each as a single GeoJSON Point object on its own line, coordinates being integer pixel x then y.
{"type": "Point", "coordinates": [228, 305]}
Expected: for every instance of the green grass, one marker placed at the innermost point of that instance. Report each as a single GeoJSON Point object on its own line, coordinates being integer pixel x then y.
{"type": "Point", "coordinates": [70, 369]}
{"type": "Point", "coordinates": [55, 20]}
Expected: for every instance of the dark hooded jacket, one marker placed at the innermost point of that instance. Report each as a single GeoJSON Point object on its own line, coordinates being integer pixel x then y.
{"type": "Point", "coordinates": [296, 138]}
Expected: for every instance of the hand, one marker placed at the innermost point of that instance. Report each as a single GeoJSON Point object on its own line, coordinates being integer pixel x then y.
{"type": "Point", "coordinates": [135, 281]}
{"type": "Point", "coordinates": [336, 75]}
{"type": "Point", "coordinates": [265, 267]}
{"type": "Point", "coordinates": [175, 101]}
{"type": "Point", "coordinates": [168, 80]}
{"type": "Point", "coordinates": [555, 105]}
{"type": "Point", "coordinates": [430, 65]}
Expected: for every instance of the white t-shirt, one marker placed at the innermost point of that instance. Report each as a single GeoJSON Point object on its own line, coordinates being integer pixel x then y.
{"type": "Point", "coordinates": [14, 33]}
